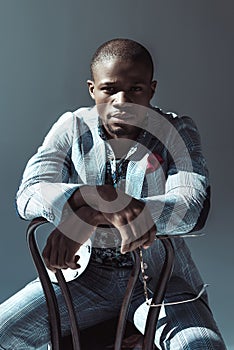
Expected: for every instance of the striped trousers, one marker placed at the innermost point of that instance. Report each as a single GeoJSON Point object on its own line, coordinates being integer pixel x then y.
{"type": "Point", "coordinates": [97, 296]}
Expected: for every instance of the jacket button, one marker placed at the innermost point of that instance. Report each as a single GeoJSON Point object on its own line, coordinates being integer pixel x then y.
{"type": "Point", "coordinates": [49, 215]}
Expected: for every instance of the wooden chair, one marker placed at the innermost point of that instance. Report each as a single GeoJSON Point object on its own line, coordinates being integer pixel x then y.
{"type": "Point", "coordinates": [78, 340]}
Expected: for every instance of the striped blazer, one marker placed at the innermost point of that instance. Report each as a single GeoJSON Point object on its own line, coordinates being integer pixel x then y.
{"type": "Point", "coordinates": [175, 189]}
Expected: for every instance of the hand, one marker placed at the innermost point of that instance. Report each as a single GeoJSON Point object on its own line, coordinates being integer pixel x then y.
{"type": "Point", "coordinates": [130, 216]}
{"type": "Point", "coordinates": [59, 252]}
{"type": "Point", "coordinates": [66, 239]}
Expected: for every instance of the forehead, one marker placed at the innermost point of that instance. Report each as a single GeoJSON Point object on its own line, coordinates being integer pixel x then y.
{"type": "Point", "coordinates": [118, 68]}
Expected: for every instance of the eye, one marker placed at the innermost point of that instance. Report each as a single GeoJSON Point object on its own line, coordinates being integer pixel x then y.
{"type": "Point", "coordinates": [108, 89]}
{"type": "Point", "coordinates": [136, 88]}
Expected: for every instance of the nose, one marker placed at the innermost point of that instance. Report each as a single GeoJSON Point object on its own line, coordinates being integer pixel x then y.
{"type": "Point", "coordinates": [120, 98]}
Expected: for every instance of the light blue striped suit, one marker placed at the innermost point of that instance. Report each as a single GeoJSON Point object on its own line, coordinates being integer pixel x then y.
{"type": "Point", "coordinates": [74, 154]}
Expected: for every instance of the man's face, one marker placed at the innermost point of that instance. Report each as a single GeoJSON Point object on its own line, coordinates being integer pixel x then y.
{"type": "Point", "coordinates": [119, 87]}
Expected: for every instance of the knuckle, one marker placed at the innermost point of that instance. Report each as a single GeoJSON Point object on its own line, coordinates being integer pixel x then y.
{"type": "Point", "coordinates": [67, 262]}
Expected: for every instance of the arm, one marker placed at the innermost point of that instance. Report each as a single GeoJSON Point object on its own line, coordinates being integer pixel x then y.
{"type": "Point", "coordinates": [45, 191]}
{"type": "Point", "coordinates": [71, 233]}
{"type": "Point", "coordinates": [185, 204]}
{"type": "Point", "coordinates": [129, 215]}
{"type": "Point", "coordinates": [44, 188]}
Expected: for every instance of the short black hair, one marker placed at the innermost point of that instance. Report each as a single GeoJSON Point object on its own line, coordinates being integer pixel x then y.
{"type": "Point", "coordinates": [126, 49]}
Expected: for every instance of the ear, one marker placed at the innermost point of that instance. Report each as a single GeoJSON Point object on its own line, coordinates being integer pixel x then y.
{"type": "Point", "coordinates": [91, 88]}
{"type": "Point", "coordinates": [153, 87]}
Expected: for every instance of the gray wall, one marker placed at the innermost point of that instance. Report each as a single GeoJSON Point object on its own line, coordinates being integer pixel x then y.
{"type": "Point", "coordinates": [45, 50]}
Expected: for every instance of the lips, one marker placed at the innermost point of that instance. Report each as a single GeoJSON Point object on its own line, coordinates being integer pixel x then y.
{"type": "Point", "coordinates": [121, 117]}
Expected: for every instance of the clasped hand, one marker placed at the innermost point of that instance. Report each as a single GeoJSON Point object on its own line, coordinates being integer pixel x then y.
{"type": "Point", "coordinates": [108, 206]}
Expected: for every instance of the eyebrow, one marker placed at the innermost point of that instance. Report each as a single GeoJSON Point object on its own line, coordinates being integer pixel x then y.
{"type": "Point", "coordinates": [116, 82]}
{"type": "Point", "coordinates": [107, 83]}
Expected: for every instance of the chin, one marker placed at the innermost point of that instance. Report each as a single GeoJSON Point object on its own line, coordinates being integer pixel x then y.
{"type": "Point", "coordinates": [125, 134]}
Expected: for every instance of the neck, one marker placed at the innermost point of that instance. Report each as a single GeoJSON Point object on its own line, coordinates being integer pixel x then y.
{"type": "Point", "coordinates": [121, 146]}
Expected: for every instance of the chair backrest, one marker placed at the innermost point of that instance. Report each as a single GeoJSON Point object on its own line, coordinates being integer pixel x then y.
{"type": "Point", "coordinates": [52, 305]}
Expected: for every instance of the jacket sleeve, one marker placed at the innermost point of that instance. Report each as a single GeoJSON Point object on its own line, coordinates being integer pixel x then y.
{"type": "Point", "coordinates": [45, 185]}
{"type": "Point", "coordinates": [185, 203]}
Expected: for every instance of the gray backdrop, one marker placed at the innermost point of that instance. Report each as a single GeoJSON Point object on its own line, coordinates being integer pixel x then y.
{"type": "Point", "coordinates": [46, 46]}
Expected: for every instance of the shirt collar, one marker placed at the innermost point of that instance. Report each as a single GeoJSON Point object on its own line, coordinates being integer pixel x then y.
{"type": "Point", "coordinates": [141, 139]}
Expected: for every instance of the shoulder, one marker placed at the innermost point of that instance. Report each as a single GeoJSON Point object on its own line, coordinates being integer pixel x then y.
{"type": "Point", "coordinates": [179, 126]}
{"type": "Point", "coordinates": [87, 115]}
{"type": "Point", "coordinates": [82, 118]}
{"type": "Point", "coordinates": [179, 122]}
{"type": "Point", "coordinates": [82, 114]}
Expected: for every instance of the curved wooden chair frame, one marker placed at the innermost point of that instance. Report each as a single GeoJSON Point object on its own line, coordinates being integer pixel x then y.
{"type": "Point", "coordinates": [52, 305]}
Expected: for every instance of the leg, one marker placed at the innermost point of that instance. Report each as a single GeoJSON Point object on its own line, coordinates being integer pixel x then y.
{"type": "Point", "coordinates": [96, 296]}
{"type": "Point", "coordinates": [188, 326]}
{"type": "Point", "coordinates": [19, 326]}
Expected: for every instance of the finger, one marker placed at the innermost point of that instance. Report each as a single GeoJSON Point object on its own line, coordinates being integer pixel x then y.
{"type": "Point", "coordinates": [54, 253]}
{"type": "Point", "coordinates": [127, 237]}
{"type": "Point", "coordinates": [133, 245]}
{"type": "Point", "coordinates": [144, 230]}
{"type": "Point", "coordinates": [46, 255]}
{"type": "Point", "coordinates": [62, 254]}
{"type": "Point", "coordinates": [71, 259]}
{"type": "Point", "coordinates": [47, 251]}
{"type": "Point", "coordinates": [135, 237]}
{"type": "Point", "coordinates": [145, 241]}
{"type": "Point", "coordinates": [73, 265]}
{"type": "Point", "coordinates": [57, 252]}
{"type": "Point", "coordinates": [124, 248]}
{"type": "Point", "coordinates": [151, 238]}
{"type": "Point", "coordinates": [61, 260]}
{"type": "Point", "coordinates": [128, 247]}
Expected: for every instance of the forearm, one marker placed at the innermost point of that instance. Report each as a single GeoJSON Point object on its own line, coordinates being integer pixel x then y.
{"type": "Point", "coordinates": [92, 196]}
{"type": "Point", "coordinates": [78, 200]}
{"type": "Point", "coordinates": [179, 211]}
{"type": "Point", "coordinates": [44, 199]}
{"type": "Point", "coordinates": [56, 201]}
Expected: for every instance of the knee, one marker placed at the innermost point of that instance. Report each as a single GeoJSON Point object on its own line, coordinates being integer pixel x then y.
{"type": "Point", "coordinates": [23, 319]}
{"type": "Point", "coordinates": [199, 338]}
{"type": "Point", "coordinates": [9, 341]}
{"type": "Point", "coordinates": [16, 338]}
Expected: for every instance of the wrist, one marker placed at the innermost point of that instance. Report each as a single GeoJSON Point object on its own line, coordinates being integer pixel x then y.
{"type": "Point", "coordinates": [107, 192]}
{"type": "Point", "coordinates": [90, 196]}
{"type": "Point", "coordinates": [90, 216]}
{"type": "Point", "coordinates": [81, 197]}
